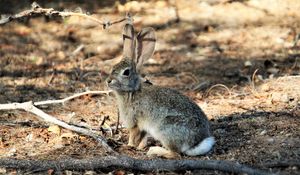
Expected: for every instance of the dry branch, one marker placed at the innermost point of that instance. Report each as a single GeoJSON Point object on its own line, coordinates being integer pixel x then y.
{"type": "Point", "coordinates": [37, 10]}
{"type": "Point", "coordinates": [69, 98]}
{"type": "Point", "coordinates": [289, 163]}
{"type": "Point", "coordinates": [29, 107]}
{"type": "Point", "coordinates": [110, 163]}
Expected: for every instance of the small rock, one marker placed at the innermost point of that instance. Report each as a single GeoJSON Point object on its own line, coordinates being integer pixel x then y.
{"type": "Point", "coordinates": [161, 4]}
{"type": "Point", "coordinates": [61, 55]}
{"type": "Point", "coordinates": [263, 132]}
{"type": "Point", "coordinates": [90, 173]}
{"type": "Point", "coordinates": [285, 98]}
{"type": "Point", "coordinates": [279, 97]}
{"type": "Point", "coordinates": [260, 77]}
{"type": "Point", "coordinates": [2, 170]}
{"type": "Point", "coordinates": [272, 70]}
{"type": "Point", "coordinates": [54, 129]}
{"type": "Point", "coordinates": [67, 172]}
{"type": "Point", "coordinates": [247, 64]}
{"type": "Point", "coordinates": [220, 131]}
{"type": "Point", "coordinates": [265, 87]}
{"type": "Point", "coordinates": [289, 134]}
{"type": "Point", "coordinates": [29, 137]}
{"type": "Point", "coordinates": [270, 140]}
{"type": "Point", "coordinates": [11, 152]}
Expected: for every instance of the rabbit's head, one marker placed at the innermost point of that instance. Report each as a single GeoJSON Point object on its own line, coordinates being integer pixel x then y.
{"type": "Point", "coordinates": [136, 50]}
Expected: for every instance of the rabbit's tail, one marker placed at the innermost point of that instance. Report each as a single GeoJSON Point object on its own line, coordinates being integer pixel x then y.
{"type": "Point", "coordinates": [202, 148]}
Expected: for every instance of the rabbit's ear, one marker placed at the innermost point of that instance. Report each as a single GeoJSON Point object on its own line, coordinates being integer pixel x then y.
{"type": "Point", "coordinates": [145, 46]}
{"type": "Point", "coordinates": [128, 41]}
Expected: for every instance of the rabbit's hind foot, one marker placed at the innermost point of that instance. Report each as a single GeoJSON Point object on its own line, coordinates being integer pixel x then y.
{"type": "Point", "coordinates": [162, 152]}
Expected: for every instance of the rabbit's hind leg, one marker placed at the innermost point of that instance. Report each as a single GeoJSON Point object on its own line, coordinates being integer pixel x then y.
{"type": "Point", "coordinates": [162, 152]}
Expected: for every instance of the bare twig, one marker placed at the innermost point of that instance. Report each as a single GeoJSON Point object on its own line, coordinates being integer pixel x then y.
{"type": "Point", "coordinates": [296, 39]}
{"type": "Point", "coordinates": [29, 107]}
{"type": "Point", "coordinates": [52, 77]}
{"type": "Point", "coordinates": [201, 86]}
{"type": "Point", "coordinates": [253, 80]}
{"type": "Point", "coordinates": [128, 163]}
{"type": "Point", "coordinates": [219, 85]}
{"type": "Point", "coordinates": [78, 49]}
{"type": "Point", "coordinates": [69, 98]}
{"type": "Point", "coordinates": [118, 123]}
{"type": "Point", "coordinates": [37, 10]}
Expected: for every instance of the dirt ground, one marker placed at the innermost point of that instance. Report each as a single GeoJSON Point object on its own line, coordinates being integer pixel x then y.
{"type": "Point", "coordinates": [238, 60]}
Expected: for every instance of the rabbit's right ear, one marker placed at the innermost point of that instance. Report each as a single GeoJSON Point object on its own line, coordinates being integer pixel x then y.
{"type": "Point", "coordinates": [145, 46]}
{"type": "Point", "coordinates": [128, 41]}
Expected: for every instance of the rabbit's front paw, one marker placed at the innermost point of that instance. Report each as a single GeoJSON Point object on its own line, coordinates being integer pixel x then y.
{"type": "Point", "coordinates": [131, 144]}
{"type": "Point", "coordinates": [141, 146]}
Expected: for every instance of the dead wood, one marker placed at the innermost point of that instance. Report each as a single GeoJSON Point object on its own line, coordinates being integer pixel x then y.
{"type": "Point", "coordinates": [110, 163]}
{"type": "Point", "coordinates": [283, 164]}
{"type": "Point", "coordinates": [37, 10]}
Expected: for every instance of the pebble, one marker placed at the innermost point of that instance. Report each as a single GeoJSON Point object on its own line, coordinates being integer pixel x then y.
{"type": "Point", "coordinates": [247, 64]}
{"type": "Point", "coordinates": [270, 140]}
{"type": "Point", "coordinates": [263, 132]}
{"type": "Point", "coordinates": [279, 97]}
{"type": "Point", "coordinates": [265, 87]}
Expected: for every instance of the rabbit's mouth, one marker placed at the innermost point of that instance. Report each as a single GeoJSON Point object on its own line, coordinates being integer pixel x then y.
{"type": "Point", "coordinates": [113, 84]}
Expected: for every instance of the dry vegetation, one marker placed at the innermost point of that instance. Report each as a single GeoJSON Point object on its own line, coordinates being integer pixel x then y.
{"type": "Point", "coordinates": [238, 60]}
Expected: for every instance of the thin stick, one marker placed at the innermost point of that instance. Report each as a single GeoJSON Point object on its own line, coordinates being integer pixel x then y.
{"type": "Point", "coordinates": [118, 123]}
{"type": "Point", "coordinates": [253, 79]}
{"type": "Point", "coordinates": [52, 77]}
{"type": "Point", "coordinates": [219, 85]}
{"type": "Point", "coordinates": [70, 98]}
{"type": "Point", "coordinates": [123, 162]}
{"type": "Point", "coordinates": [37, 10]}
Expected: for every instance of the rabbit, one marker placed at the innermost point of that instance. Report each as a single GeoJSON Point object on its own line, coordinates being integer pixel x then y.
{"type": "Point", "coordinates": [165, 114]}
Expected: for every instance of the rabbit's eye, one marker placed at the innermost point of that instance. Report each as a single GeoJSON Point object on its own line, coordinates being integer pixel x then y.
{"type": "Point", "coordinates": [126, 72]}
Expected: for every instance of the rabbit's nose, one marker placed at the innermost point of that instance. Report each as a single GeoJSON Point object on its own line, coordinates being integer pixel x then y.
{"type": "Point", "coordinates": [110, 80]}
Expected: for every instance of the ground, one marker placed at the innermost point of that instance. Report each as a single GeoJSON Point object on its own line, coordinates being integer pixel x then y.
{"type": "Point", "coordinates": [238, 60]}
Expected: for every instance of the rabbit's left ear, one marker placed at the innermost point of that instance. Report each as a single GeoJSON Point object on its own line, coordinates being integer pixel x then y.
{"type": "Point", "coordinates": [146, 40]}
{"type": "Point", "coordinates": [128, 41]}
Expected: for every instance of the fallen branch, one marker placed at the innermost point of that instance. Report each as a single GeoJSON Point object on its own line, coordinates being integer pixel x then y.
{"type": "Point", "coordinates": [30, 107]}
{"type": "Point", "coordinates": [284, 164]}
{"type": "Point", "coordinates": [36, 10]}
{"type": "Point", "coordinates": [69, 98]}
{"type": "Point", "coordinates": [128, 163]}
